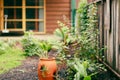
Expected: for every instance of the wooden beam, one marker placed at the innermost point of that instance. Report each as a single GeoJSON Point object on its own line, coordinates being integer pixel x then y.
{"type": "Point", "coordinates": [96, 1]}
{"type": "Point", "coordinates": [108, 14]}
{"type": "Point", "coordinates": [15, 14]}
{"type": "Point", "coordinates": [2, 15]}
{"type": "Point", "coordinates": [117, 34]}
{"type": "Point", "coordinates": [109, 67]}
{"type": "Point", "coordinates": [107, 30]}
{"type": "Point", "coordinates": [36, 16]}
{"type": "Point", "coordinates": [44, 16]}
{"type": "Point", "coordinates": [23, 15]}
{"type": "Point", "coordinates": [114, 34]}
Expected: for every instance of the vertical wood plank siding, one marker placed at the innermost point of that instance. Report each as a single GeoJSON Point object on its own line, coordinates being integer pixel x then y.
{"type": "Point", "coordinates": [55, 9]}
{"type": "Point", "coordinates": [109, 26]}
{"type": "Point", "coordinates": [118, 37]}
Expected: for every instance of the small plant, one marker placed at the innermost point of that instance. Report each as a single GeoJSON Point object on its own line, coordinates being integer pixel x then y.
{"type": "Point", "coordinates": [30, 45]}
{"type": "Point", "coordinates": [70, 41]}
{"type": "Point", "coordinates": [43, 70]}
{"type": "Point", "coordinates": [80, 69]}
{"type": "Point", "coordinates": [45, 48]}
{"type": "Point", "coordinates": [63, 31]}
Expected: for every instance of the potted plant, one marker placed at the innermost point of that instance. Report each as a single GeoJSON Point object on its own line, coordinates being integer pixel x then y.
{"type": "Point", "coordinates": [47, 65]}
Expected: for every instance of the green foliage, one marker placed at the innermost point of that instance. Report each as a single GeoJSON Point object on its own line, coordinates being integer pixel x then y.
{"type": "Point", "coordinates": [77, 69]}
{"type": "Point", "coordinates": [87, 78]}
{"type": "Point", "coordinates": [88, 29]}
{"type": "Point", "coordinates": [43, 70]}
{"type": "Point", "coordinates": [3, 47]}
{"type": "Point", "coordinates": [82, 16]}
{"type": "Point", "coordinates": [63, 31]}
{"type": "Point", "coordinates": [45, 47]}
{"type": "Point", "coordinates": [80, 69]}
{"type": "Point", "coordinates": [83, 70]}
{"type": "Point", "coordinates": [6, 44]}
{"type": "Point", "coordinates": [30, 44]}
{"type": "Point", "coordinates": [65, 71]}
{"type": "Point", "coordinates": [10, 59]}
{"type": "Point", "coordinates": [84, 45]}
{"type": "Point", "coordinates": [70, 41]}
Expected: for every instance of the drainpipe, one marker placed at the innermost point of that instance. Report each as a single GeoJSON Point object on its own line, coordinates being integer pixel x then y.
{"type": "Point", "coordinates": [73, 12]}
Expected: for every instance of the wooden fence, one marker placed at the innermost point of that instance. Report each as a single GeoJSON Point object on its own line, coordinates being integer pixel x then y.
{"type": "Point", "coordinates": [109, 26]}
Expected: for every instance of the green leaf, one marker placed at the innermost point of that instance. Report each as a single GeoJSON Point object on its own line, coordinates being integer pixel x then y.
{"type": "Point", "coordinates": [87, 78]}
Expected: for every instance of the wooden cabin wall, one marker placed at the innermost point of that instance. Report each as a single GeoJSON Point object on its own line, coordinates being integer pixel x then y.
{"type": "Point", "coordinates": [55, 9]}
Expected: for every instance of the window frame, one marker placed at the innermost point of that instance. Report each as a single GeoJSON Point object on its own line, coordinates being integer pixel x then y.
{"type": "Point", "coordinates": [24, 20]}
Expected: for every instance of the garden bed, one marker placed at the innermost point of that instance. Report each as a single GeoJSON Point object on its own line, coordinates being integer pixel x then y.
{"type": "Point", "coordinates": [27, 71]}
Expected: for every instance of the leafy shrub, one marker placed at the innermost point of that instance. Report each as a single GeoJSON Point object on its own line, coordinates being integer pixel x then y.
{"type": "Point", "coordinates": [30, 45]}
{"type": "Point", "coordinates": [45, 48]}
{"type": "Point", "coordinates": [70, 42]}
{"type": "Point", "coordinates": [76, 69]}
{"type": "Point", "coordinates": [84, 45]}
{"type": "Point", "coordinates": [63, 31]}
{"type": "Point", "coordinates": [82, 16]}
{"type": "Point", "coordinates": [88, 30]}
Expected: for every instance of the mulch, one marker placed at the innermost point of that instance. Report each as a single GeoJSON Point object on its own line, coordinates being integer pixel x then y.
{"type": "Point", "coordinates": [27, 71]}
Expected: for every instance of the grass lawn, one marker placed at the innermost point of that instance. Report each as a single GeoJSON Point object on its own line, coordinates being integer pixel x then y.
{"type": "Point", "coordinates": [10, 59]}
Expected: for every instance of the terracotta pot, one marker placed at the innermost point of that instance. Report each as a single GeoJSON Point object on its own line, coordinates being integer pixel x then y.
{"type": "Point", "coordinates": [51, 67]}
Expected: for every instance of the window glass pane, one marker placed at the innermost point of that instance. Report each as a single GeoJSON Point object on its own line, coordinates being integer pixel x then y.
{"type": "Point", "coordinates": [30, 13]}
{"type": "Point", "coordinates": [18, 14]}
{"type": "Point", "coordinates": [41, 13]}
{"type": "Point", "coordinates": [34, 2]}
{"type": "Point", "coordinates": [41, 27]}
{"type": "Point", "coordinates": [35, 26]}
{"type": "Point", "coordinates": [14, 25]}
{"type": "Point", "coordinates": [41, 2]}
{"type": "Point", "coordinates": [18, 3]}
{"type": "Point", "coordinates": [35, 13]}
{"type": "Point", "coordinates": [13, 13]}
{"type": "Point", "coordinates": [30, 26]}
{"type": "Point", "coordinates": [12, 2]}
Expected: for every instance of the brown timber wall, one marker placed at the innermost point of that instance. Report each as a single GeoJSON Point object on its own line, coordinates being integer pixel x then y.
{"type": "Point", "coordinates": [55, 9]}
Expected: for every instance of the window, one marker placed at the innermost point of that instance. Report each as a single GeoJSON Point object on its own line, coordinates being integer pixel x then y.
{"type": "Point", "coordinates": [25, 14]}
{"type": "Point", "coordinates": [35, 15]}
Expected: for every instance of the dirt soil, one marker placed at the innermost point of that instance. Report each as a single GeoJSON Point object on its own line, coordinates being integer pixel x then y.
{"type": "Point", "coordinates": [27, 71]}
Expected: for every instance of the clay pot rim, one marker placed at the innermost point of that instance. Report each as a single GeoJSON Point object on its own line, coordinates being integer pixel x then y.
{"type": "Point", "coordinates": [47, 59]}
